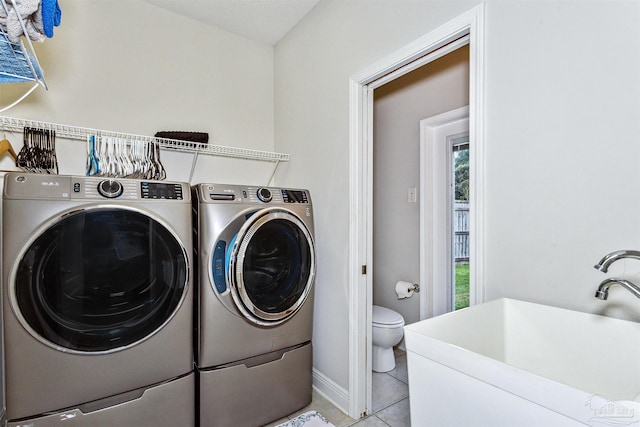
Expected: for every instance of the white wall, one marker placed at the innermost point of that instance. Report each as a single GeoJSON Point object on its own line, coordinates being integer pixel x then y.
{"type": "Point", "coordinates": [313, 64]}
{"type": "Point", "coordinates": [132, 67]}
{"type": "Point", "coordinates": [561, 167]}
{"type": "Point", "coordinates": [563, 93]}
{"type": "Point", "coordinates": [435, 88]}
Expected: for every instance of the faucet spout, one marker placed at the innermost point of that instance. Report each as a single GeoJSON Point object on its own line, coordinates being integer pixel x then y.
{"type": "Point", "coordinates": [603, 290]}
{"type": "Point", "coordinates": [607, 260]}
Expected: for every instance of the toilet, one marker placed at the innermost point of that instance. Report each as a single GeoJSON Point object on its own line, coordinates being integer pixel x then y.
{"type": "Point", "coordinates": [387, 331]}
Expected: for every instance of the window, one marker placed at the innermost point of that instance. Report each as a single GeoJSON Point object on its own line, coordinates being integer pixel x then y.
{"type": "Point", "coordinates": [460, 220]}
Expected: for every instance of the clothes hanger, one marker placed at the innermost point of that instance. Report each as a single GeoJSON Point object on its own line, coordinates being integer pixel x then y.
{"type": "Point", "coordinates": [5, 146]}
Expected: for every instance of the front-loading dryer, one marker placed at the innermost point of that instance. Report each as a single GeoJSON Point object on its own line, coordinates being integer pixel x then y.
{"type": "Point", "coordinates": [97, 301]}
{"type": "Point", "coordinates": [256, 264]}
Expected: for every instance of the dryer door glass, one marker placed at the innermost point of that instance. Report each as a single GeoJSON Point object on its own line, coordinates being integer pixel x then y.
{"type": "Point", "coordinates": [276, 266]}
{"type": "Point", "coordinates": [100, 280]}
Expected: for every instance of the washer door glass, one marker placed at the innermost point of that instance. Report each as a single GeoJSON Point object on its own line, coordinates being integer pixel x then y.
{"type": "Point", "coordinates": [272, 266]}
{"type": "Point", "coordinates": [101, 279]}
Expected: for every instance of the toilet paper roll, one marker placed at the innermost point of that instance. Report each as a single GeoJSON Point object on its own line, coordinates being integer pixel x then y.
{"type": "Point", "coordinates": [404, 289]}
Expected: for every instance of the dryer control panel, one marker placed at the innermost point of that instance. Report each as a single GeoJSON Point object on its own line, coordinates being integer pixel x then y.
{"type": "Point", "coordinates": [115, 188]}
{"type": "Point", "coordinates": [56, 187]}
{"type": "Point", "coordinates": [161, 190]}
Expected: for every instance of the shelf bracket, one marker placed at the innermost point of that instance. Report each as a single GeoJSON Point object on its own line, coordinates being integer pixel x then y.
{"type": "Point", "coordinates": [193, 166]}
{"type": "Point", "coordinates": [275, 168]}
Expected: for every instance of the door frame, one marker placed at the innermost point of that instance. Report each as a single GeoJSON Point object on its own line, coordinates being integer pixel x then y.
{"type": "Point", "coordinates": [435, 210]}
{"type": "Point", "coordinates": [467, 28]}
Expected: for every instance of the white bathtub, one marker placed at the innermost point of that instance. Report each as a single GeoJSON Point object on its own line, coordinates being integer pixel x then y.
{"type": "Point", "coordinates": [513, 363]}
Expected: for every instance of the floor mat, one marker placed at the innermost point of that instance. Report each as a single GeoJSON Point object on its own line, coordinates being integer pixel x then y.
{"type": "Point", "coordinates": [308, 419]}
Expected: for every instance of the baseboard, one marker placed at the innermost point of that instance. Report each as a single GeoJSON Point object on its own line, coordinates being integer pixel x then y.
{"type": "Point", "coordinates": [331, 391]}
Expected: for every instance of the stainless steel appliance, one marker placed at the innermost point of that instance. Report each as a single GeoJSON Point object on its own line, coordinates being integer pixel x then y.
{"type": "Point", "coordinates": [256, 266]}
{"type": "Point", "coordinates": [97, 301]}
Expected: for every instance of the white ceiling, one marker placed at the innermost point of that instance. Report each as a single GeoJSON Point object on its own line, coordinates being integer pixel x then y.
{"type": "Point", "coordinates": [265, 21]}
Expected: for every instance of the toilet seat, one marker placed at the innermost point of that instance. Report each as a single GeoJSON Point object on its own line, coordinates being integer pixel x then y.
{"type": "Point", "coordinates": [383, 317]}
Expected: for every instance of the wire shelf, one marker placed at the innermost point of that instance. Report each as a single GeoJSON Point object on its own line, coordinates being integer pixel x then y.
{"type": "Point", "coordinates": [12, 124]}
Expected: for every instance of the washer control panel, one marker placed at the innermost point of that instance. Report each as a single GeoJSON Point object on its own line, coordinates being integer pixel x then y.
{"type": "Point", "coordinates": [264, 195]}
{"type": "Point", "coordinates": [225, 193]}
{"type": "Point", "coordinates": [261, 195]}
{"type": "Point", "coordinates": [295, 196]}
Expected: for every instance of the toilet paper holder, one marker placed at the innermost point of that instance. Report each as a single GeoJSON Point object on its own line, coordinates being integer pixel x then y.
{"type": "Point", "coordinates": [406, 289]}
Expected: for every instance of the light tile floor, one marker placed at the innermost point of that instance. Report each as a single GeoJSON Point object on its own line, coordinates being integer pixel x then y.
{"type": "Point", "coordinates": [390, 401]}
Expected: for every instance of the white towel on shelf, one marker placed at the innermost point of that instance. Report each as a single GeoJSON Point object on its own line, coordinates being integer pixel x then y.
{"type": "Point", "coordinates": [31, 14]}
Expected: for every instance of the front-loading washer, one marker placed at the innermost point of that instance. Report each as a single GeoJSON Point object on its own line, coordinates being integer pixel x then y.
{"type": "Point", "coordinates": [256, 266]}
{"type": "Point", "coordinates": [97, 301]}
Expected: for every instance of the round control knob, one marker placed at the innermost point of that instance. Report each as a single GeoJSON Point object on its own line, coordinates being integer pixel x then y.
{"type": "Point", "coordinates": [110, 188]}
{"type": "Point", "coordinates": [264, 194]}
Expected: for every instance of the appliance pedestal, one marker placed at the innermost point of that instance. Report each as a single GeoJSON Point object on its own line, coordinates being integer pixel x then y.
{"type": "Point", "coordinates": [255, 392]}
{"type": "Point", "coordinates": [168, 404]}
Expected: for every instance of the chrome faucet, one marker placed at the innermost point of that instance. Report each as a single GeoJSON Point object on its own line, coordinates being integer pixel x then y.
{"type": "Point", "coordinates": [607, 260]}
{"type": "Point", "coordinates": [603, 290]}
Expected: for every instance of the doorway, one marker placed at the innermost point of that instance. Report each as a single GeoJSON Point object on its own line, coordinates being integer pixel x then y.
{"type": "Point", "coordinates": [445, 213]}
{"type": "Point", "coordinates": [398, 111]}
{"type": "Point", "coordinates": [466, 29]}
